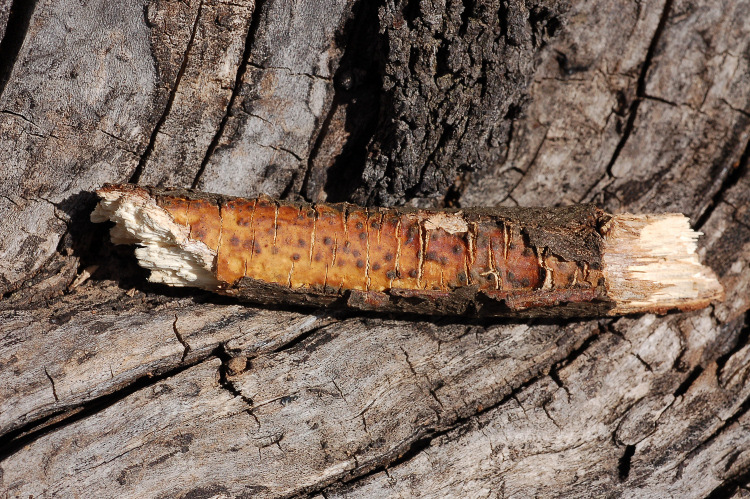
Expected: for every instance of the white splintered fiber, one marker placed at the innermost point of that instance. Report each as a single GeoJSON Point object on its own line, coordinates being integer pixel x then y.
{"type": "Point", "coordinates": [165, 247]}
{"type": "Point", "coordinates": [650, 262]}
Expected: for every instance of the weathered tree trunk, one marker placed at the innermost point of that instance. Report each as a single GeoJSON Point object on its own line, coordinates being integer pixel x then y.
{"type": "Point", "coordinates": [113, 387]}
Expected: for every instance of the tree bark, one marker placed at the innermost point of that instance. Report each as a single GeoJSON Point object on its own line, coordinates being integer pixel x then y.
{"type": "Point", "coordinates": [115, 387]}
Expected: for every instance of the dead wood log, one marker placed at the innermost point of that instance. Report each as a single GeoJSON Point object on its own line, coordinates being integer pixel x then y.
{"type": "Point", "coordinates": [116, 387]}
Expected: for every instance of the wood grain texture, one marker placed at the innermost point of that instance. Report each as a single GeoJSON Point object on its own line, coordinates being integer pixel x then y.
{"type": "Point", "coordinates": [118, 351]}
{"type": "Point", "coordinates": [131, 389]}
{"type": "Point", "coordinates": [200, 46]}
{"type": "Point", "coordinates": [282, 99]}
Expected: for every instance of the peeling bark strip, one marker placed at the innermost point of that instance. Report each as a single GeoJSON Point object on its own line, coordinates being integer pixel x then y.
{"type": "Point", "coordinates": [568, 261]}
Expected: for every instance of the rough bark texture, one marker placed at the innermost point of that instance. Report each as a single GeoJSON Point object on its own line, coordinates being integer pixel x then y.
{"type": "Point", "coordinates": [117, 388]}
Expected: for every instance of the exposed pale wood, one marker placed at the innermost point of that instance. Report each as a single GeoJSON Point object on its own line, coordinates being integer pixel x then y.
{"type": "Point", "coordinates": [636, 106]}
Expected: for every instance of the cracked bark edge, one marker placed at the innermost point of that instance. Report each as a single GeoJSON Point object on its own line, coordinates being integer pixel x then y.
{"type": "Point", "coordinates": [518, 262]}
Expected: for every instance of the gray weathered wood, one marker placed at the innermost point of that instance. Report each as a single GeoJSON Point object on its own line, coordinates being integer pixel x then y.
{"type": "Point", "coordinates": [118, 388]}
{"type": "Point", "coordinates": [120, 348]}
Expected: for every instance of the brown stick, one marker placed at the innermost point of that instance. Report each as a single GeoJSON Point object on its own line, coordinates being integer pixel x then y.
{"type": "Point", "coordinates": [570, 261]}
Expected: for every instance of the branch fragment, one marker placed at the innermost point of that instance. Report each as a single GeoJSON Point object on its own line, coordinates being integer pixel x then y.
{"type": "Point", "coordinates": [572, 261]}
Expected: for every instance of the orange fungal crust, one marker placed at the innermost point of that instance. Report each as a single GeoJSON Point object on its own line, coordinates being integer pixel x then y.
{"type": "Point", "coordinates": [343, 247]}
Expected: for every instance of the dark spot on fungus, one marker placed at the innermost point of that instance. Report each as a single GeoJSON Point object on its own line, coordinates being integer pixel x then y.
{"type": "Point", "coordinates": [318, 257]}
{"type": "Point", "coordinates": [363, 235]}
{"type": "Point", "coordinates": [456, 249]}
{"type": "Point", "coordinates": [375, 225]}
{"type": "Point", "coordinates": [257, 250]}
{"type": "Point", "coordinates": [412, 233]}
{"type": "Point", "coordinates": [359, 226]}
{"type": "Point", "coordinates": [327, 241]}
{"type": "Point", "coordinates": [295, 257]}
{"type": "Point", "coordinates": [527, 252]}
{"type": "Point", "coordinates": [375, 266]}
{"type": "Point", "coordinates": [360, 264]}
{"type": "Point", "coordinates": [461, 277]}
{"type": "Point", "coordinates": [301, 243]}
{"type": "Point", "coordinates": [390, 274]}
{"type": "Point", "coordinates": [444, 260]}
{"type": "Point", "coordinates": [511, 276]}
{"type": "Point", "coordinates": [431, 255]}
{"type": "Point", "coordinates": [413, 273]}
{"type": "Point", "coordinates": [235, 241]}
{"type": "Point", "coordinates": [525, 282]}
{"type": "Point", "coordinates": [355, 253]}
{"type": "Point", "coordinates": [388, 257]}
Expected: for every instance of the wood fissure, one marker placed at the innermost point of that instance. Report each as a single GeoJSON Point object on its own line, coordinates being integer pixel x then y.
{"type": "Point", "coordinates": [138, 172]}
{"type": "Point", "coordinates": [640, 86]}
{"type": "Point", "coordinates": [239, 75]}
{"type": "Point", "coordinates": [16, 28]}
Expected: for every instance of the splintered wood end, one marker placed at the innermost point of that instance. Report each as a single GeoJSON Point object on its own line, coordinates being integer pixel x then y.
{"type": "Point", "coordinates": [164, 246]}
{"type": "Point", "coordinates": [650, 265]}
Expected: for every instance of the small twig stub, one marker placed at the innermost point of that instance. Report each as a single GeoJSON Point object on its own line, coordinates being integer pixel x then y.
{"type": "Point", "coordinates": [570, 261]}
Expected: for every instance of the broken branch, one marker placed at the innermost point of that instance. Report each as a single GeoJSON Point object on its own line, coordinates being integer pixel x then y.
{"type": "Point", "coordinates": [571, 261]}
